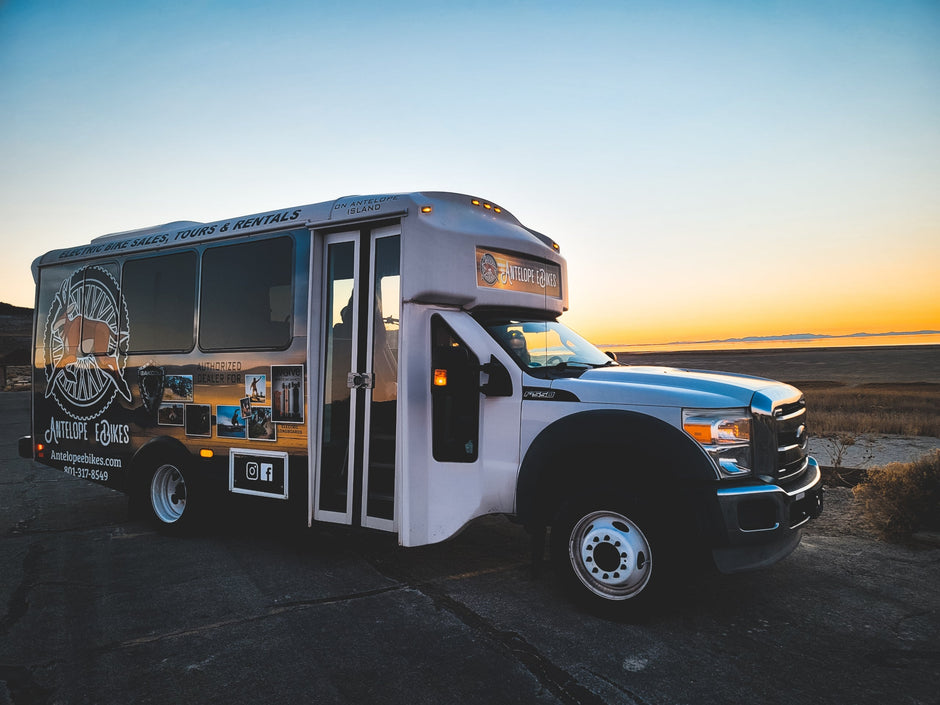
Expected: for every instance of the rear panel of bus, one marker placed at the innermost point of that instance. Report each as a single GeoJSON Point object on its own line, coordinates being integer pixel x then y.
{"type": "Point", "coordinates": [202, 346]}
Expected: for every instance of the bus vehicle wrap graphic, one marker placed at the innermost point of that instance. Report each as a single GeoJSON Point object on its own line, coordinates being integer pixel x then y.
{"type": "Point", "coordinates": [396, 363]}
{"type": "Point", "coordinates": [84, 344]}
{"type": "Point", "coordinates": [515, 272]}
{"type": "Point", "coordinates": [150, 380]}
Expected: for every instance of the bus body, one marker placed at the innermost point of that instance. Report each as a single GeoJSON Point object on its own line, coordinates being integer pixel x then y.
{"type": "Point", "coordinates": [396, 362]}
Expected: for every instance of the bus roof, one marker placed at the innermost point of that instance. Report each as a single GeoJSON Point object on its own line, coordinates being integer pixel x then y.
{"type": "Point", "coordinates": [324, 214]}
{"type": "Point", "coordinates": [448, 230]}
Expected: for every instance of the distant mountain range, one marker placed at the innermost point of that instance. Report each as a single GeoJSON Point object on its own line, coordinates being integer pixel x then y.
{"type": "Point", "coordinates": [804, 336]}
{"type": "Point", "coordinates": [11, 310]}
{"type": "Point", "coordinates": [16, 325]}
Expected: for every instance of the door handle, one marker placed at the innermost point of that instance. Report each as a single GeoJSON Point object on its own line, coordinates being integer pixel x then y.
{"type": "Point", "coordinates": [360, 380]}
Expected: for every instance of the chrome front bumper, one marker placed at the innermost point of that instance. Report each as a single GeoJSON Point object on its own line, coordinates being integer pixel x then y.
{"type": "Point", "coordinates": [762, 522]}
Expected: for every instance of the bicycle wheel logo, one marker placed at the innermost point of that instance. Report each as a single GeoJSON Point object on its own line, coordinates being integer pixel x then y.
{"type": "Point", "coordinates": [489, 269]}
{"type": "Point", "coordinates": [85, 344]}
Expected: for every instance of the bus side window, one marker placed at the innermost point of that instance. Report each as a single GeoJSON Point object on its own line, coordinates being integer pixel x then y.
{"type": "Point", "coordinates": [455, 396]}
{"type": "Point", "coordinates": [246, 295]}
{"type": "Point", "coordinates": [161, 301]}
{"type": "Point", "coordinates": [82, 311]}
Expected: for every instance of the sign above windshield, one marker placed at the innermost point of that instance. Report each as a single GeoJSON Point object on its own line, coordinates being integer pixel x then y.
{"type": "Point", "coordinates": [512, 272]}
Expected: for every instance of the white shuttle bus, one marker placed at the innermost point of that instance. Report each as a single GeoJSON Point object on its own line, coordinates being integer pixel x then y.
{"type": "Point", "coordinates": [397, 362]}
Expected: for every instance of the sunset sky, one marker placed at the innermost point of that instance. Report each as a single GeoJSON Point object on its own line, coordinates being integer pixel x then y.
{"type": "Point", "coordinates": [710, 169]}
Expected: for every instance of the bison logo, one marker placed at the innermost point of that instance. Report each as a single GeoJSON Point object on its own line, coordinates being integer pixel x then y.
{"type": "Point", "coordinates": [85, 344]}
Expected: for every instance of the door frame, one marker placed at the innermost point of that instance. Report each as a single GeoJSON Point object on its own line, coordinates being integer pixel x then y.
{"type": "Point", "coordinates": [318, 362]}
{"type": "Point", "coordinates": [362, 343]}
{"type": "Point", "coordinates": [370, 324]}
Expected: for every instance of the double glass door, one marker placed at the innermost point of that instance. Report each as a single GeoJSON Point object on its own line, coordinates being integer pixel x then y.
{"type": "Point", "coordinates": [355, 453]}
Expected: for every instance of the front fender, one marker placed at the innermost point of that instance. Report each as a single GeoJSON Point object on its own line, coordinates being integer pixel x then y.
{"type": "Point", "coordinates": [606, 450]}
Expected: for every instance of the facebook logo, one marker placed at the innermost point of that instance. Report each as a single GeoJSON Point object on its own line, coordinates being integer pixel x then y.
{"type": "Point", "coordinates": [267, 472]}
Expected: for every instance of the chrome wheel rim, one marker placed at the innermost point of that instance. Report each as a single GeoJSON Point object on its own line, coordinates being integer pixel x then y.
{"type": "Point", "coordinates": [168, 494]}
{"type": "Point", "coordinates": [610, 555]}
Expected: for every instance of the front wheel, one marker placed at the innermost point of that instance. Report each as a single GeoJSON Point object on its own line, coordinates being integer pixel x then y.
{"type": "Point", "coordinates": [606, 558]}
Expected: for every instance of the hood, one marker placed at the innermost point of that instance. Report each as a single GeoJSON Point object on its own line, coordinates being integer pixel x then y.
{"type": "Point", "coordinates": [669, 386]}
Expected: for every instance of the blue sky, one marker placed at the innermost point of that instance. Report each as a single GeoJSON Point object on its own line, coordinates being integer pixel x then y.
{"type": "Point", "coordinates": [698, 161]}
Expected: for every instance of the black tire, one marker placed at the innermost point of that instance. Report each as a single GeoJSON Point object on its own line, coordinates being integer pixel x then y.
{"type": "Point", "coordinates": [609, 555]}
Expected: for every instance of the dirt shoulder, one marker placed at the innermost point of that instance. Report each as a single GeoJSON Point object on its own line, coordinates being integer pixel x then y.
{"type": "Point", "coordinates": [842, 516]}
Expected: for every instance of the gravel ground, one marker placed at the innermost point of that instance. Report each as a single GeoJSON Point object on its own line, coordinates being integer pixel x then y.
{"type": "Point", "coordinates": [871, 450]}
{"type": "Point", "coordinates": [842, 516]}
{"type": "Point", "coordinates": [842, 513]}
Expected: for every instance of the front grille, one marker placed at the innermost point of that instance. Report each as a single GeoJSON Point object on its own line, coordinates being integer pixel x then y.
{"type": "Point", "coordinates": [780, 439]}
{"type": "Point", "coordinates": [791, 439]}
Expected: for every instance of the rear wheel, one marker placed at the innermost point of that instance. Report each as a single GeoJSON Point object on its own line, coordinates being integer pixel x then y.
{"type": "Point", "coordinates": [170, 492]}
{"type": "Point", "coordinates": [607, 558]}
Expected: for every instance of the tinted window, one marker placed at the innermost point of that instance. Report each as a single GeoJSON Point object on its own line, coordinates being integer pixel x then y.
{"type": "Point", "coordinates": [82, 310]}
{"type": "Point", "coordinates": [246, 295]}
{"type": "Point", "coordinates": [455, 396]}
{"type": "Point", "coordinates": [545, 344]}
{"type": "Point", "coordinates": [161, 302]}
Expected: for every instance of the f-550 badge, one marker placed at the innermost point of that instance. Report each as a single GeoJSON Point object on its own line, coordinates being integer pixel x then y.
{"type": "Point", "coordinates": [85, 344]}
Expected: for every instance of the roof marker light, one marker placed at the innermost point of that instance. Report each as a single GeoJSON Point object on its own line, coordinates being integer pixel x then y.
{"type": "Point", "coordinates": [475, 201]}
{"type": "Point", "coordinates": [487, 206]}
{"type": "Point", "coordinates": [426, 209]}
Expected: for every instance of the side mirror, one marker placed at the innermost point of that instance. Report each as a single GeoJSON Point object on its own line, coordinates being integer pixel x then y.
{"type": "Point", "coordinates": [498, 384]}
{"type": "Point", "coordinates": [612, 355]}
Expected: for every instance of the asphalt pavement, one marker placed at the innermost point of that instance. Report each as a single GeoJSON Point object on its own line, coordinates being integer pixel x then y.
{"type": "Point", "coordinates": [96, 607]}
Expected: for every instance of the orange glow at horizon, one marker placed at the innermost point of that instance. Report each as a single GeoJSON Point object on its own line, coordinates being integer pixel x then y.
{"type": "Point", "coordinates": [826, 313]}
{"type": "Point", "coordinates": [645, 331]}
{"type": "Point", "coordinates": [885, 290]}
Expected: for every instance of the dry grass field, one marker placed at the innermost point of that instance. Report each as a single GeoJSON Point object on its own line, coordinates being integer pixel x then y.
{"type": "Point", "coordinates": [849, 391]}
{"type": "Point", "coordinates": [897, 409]}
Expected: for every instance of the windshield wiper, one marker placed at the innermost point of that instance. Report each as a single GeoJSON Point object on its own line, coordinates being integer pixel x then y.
{"type": "Point", "coordinates": [578, 365]}
{"type": "Point", "coordinates": [570, 365]}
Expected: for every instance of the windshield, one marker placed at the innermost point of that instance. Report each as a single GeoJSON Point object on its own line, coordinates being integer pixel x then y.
{"type": "Point", "coordinates": [545, 344]}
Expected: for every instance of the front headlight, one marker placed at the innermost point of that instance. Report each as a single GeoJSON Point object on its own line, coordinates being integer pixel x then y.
{"type": "Point", "coordinates": [726, 436]}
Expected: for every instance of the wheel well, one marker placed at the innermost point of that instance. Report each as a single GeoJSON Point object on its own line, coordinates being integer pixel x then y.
{"type": "Point", "coordinates": [156, 450]}
{"type": "Point", "coordinates": [607, 450]}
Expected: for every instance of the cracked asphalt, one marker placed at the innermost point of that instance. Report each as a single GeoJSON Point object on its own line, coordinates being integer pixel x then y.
{"type": "Point", "coordinates": [98, 608]}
